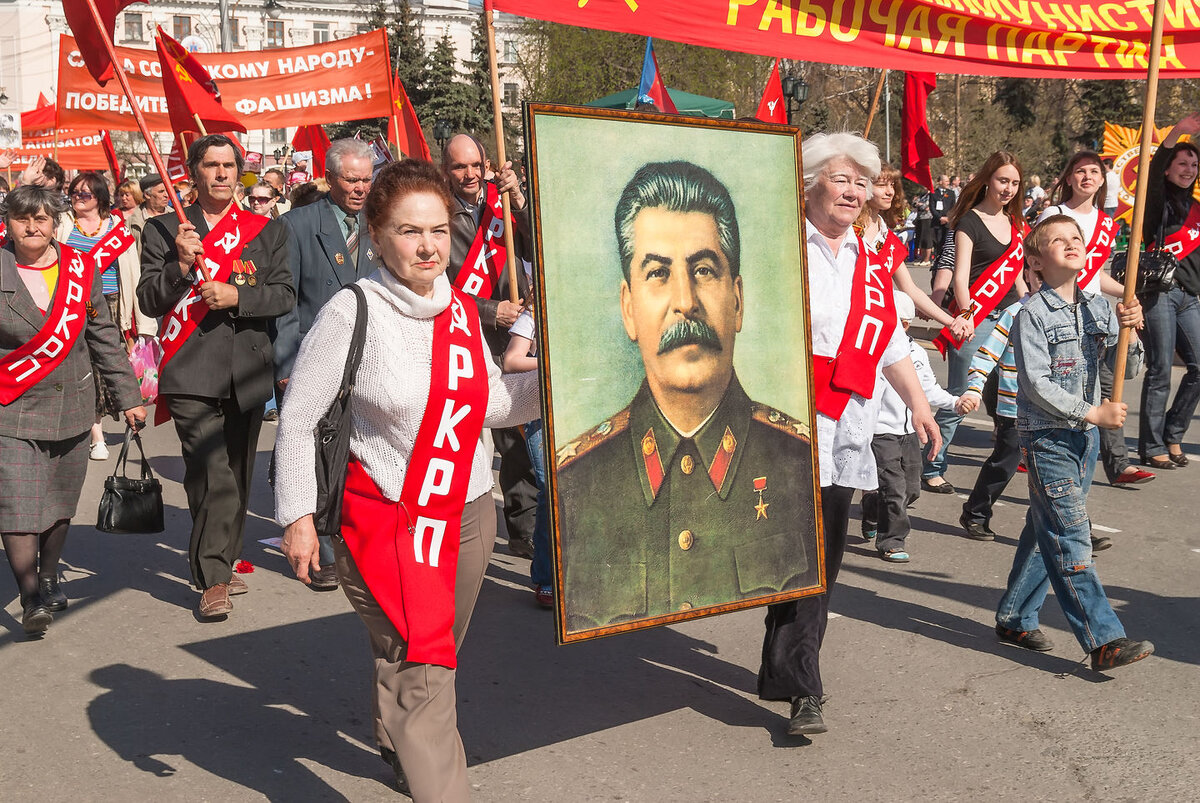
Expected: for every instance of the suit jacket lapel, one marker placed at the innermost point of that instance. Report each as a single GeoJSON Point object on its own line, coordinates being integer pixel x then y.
{"type": "Point", "coordinates": [366, 250]}
{"type": "Point", "coordinates": [334, 243]}
{"type": "Point", "coordinates": [17, 294]}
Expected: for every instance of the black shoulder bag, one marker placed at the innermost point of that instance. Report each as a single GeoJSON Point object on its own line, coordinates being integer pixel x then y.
{"type": "Point", "coordinates": [131, 505]}
{"type": "Point", "coordinates": [1156, 268]}
{"type": "Point", "coordinates": [332, 433]}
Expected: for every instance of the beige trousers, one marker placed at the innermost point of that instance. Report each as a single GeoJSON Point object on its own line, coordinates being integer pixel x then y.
{"type": "Point", "coordinates": [414, 705]}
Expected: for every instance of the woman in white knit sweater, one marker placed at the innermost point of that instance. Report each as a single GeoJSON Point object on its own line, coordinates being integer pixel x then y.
{"type": "Point", "coordinates": [414, 479]}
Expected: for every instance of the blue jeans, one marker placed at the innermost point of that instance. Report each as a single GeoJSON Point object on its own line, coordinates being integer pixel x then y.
{"type": "Point", "coordinates": [541, 573]}
{"type": "Point", "coordinates": [956, 382]}
{"type": "Point", "coordinates": [1061, 463]}
{"type": "Point", "coordinates": [1172, 324]}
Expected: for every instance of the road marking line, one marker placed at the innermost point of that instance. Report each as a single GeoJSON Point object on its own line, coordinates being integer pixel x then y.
{"type": "Point", "coordinates": [1104, 529]}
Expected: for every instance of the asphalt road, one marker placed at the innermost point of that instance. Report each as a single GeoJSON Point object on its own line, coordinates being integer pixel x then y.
{"type": "Point", "coordinates": [129, 697]}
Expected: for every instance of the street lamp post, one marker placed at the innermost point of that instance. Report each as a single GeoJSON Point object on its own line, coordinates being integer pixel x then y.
{"type": "Point", "coordinates": [794, 88]}
{"type": "Point", "coordinates": [442, 131]}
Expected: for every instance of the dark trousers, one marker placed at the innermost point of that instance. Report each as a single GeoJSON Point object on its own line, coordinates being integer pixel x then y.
{"type": "Point", "coordinates": [995, 472]}
{"type": "Point", "coordinates": [898, 461]}
{"type": "Point", "coordinates": [219, 443]}
{"type": "Point", "coordinates": [791, 665]}
{"type": "Point", "coordinates": [517, 483]}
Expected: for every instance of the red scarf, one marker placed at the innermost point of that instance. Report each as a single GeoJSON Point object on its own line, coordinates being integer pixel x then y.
{"type": "Point", "coordinates": [486, 257]}
{"type": "Point", "coordinates": [1184, 241]}
{"type": "Point", "coordinates": [1099, 249]}
{"type": "Point", "coordinates": [222, 246]}
{"type": "Point", "coordinates": [991, 286]}
{"type": "Point", "coordinates": [407, 551]}
{"type": "Point", "coordinates": [868, 330]}
{"type": "Point", "coordinates": [25, 366]}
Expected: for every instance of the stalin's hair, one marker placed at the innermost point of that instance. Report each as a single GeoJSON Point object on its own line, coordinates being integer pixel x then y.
{"type": "Point", "coordinates": [677, 187]}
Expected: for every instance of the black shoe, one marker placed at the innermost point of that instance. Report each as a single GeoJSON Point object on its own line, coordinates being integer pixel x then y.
{"type": "Point", "coordinates": [521, 547]}
{"type": "Point", "coordinates": [52, 596]}
{"type": "Point", "coordinates": [1029, 639]}
{"type": "Point", "coordinates": [1180, 459]}
{"type": "Point", "coordinates": [324, 579]}
{"type": "Point", "coordinates": [271, 416]}
{"type": "Point", "coordinates": [36, 617]}
{"type": "Point", "coordinates": [976, 530]}
{"type": "Point", "coordinates": [806, 717]}
{"type": "Point", "coordinates": [1120, 652]}
{"type": "Point", "coordinates": [1100, 543]}
{"type": "Point", "coordinates": [944, 488]}
{"type": "Point", "coordinates": [1159, 462]}
{"type": "Point", "coordinates": [392, 760]}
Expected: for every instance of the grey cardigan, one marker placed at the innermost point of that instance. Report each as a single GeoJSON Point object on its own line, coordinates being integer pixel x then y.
{"type": "Point", "coordinates": [63, 404]}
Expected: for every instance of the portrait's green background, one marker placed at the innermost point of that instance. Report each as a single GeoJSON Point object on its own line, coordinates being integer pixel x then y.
{"type": "Point", "coordinates": [581, 166]}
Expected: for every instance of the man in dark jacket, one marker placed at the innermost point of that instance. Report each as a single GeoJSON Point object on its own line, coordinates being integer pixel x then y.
{"type": "Point", "coordinates": [218, 280]}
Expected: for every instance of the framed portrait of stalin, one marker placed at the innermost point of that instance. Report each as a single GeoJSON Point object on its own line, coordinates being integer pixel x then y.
{"type": "Point", "coordinates": [675, 361]}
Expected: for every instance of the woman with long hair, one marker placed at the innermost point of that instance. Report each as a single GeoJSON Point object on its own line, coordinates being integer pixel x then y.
{"type": "Point", "coordinates": [988, 232]}
{"type": "Point", "coordinates": [1172, 317]}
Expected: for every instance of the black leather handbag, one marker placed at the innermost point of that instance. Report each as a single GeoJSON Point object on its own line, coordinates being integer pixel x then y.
{"type": "Point", "coordinates": [131, 505]}
{"type": "Point", "coordinates": [1156, 268]}
{"type": "Point", "coordinates": [332, 433]}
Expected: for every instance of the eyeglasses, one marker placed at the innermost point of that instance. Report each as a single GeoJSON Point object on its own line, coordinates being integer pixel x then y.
{"type": "Point", "coordinates": [82, 196]}
{"type": "Point", "coordinates": [260, 199]}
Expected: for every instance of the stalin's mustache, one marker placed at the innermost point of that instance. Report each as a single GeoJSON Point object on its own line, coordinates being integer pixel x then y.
{"type": "Point", "coordinates": [689, 332]}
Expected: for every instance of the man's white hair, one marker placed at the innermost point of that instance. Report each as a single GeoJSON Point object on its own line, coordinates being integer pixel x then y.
{"type": "Point", "coordinates": [821, 149]}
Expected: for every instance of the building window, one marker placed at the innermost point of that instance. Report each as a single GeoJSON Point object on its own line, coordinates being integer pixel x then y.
{"type": "Point", "coordinates": [181, 27]}
{"type": "Point", "coordinates": [274, 33]}
{"type": "Point", "coordinates": [235, 32]}
{"type": "Point", "coordinates": [320, 32]}
{"type": "Point", "coordinates": [512, 94]}
{"type": "Point", "coordinates": [278, 135]}
{"type": "Point", "coordinates": [134, 30]}
{"type": "Point", "coordinates": [510, 51]}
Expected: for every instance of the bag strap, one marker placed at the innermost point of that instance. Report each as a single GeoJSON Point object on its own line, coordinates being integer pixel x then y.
{"type": "Point", "coordinates": [357, 340]}
{"type": "Point", "coordinates": [122, 459]}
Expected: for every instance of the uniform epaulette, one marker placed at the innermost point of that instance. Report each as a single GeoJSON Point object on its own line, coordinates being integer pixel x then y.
{"type": "Point", "coordinates": [593, 438]}
{"type": "Point", "coordinates": [780, 421]}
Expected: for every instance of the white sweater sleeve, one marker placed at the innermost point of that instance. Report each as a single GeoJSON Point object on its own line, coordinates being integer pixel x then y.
{"type": "Point", "coordinates": [312, 387]}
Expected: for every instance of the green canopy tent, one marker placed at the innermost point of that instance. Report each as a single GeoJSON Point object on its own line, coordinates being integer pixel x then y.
{"type": "Point", "coordinates": [686, 102]}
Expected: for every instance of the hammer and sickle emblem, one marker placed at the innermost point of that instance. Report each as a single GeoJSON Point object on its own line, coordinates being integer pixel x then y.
{"type": "Point", "coordinates": [459, 317]}
{"type": "Point", "coordinates": [229, 241]}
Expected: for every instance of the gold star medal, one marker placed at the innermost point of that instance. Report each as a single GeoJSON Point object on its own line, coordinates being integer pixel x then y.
{"type": "Point", "coordinates": [760, 510]}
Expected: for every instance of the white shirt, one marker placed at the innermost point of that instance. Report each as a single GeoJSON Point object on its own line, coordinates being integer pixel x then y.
{"type": "Point", "coordinates": [1087, 222]}
{"type": "Point", "coordinates": [894, 416]}
{"type": "Point", "coordinates": [843, 446]}
{"type": "Point", "coordinates": [1112, 189]}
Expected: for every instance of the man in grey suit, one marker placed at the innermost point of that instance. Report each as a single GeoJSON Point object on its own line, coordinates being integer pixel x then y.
{"type": "Point", "coordinates": [328, 248]}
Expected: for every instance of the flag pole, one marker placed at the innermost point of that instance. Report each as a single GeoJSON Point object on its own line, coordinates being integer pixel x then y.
{"type": "Point", "coordinates": [199, 125]}
{"type": "Point", "coordinates": [498, 124]}
{"type": "Point", "coordinates": [138, 117]}
{"type": "Point", "coordinates": [874, 103]}
{"type": "Point", "coordinates": [1139, 196]}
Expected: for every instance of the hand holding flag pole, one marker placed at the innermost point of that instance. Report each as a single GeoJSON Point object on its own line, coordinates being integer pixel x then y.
{"type": "Point", "coordinates": [498, 124]}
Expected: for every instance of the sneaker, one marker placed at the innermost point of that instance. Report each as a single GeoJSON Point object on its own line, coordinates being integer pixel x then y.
{"type": "Point", "coordinates": [1132, 476]}
{"type": "Point", "coordinates": [544, 596]}
{"type": "Point", "coordinates": [98, 451]}
{"type": "Point", "coordinates": [1029, 639]}
{"type": "Point", "coordinates": [1120, 652]}
{"type": "Point", "coordinates": [895, 556]}
{"type": "Point", "coordinates": [869, 534]}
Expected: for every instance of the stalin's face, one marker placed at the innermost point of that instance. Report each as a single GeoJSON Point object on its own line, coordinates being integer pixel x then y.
{"type": "Point", "coordinates": [681, 305]}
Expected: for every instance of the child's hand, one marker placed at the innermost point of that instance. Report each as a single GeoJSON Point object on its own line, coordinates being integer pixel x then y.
{"type": "Point", "coordinates": [1129, 316]}
{"type": "Point", "coordinates": [967, 403]}
{"type": "Point", "coordinates": [1108, 414]}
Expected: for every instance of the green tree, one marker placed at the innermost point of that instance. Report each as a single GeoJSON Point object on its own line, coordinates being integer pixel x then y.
{"type": "Point", "coordinates": [446, 96]}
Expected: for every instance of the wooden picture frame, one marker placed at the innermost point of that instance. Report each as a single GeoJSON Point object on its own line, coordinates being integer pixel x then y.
{"type": "Point", "coordinates": [664, 507]}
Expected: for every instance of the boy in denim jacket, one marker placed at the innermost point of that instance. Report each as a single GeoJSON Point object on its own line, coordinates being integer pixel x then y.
{"type": "Point", "coordinates": [1057, 339]}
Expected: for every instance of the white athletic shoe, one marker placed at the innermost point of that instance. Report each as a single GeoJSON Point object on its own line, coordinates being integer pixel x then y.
{"type": "Point", "coordinates": [98, 451]}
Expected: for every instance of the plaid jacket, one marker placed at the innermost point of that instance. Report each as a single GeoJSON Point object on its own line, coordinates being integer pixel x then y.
{"type": "Point", "coordinates": [63, 404]}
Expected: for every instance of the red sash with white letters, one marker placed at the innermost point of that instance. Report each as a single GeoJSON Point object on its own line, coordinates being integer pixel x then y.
{"type": "Point", "coordinates": [105, 252]}
{"type": "Point", "coordinates": [1183, 242]}
{"type": "Point", "coordinates": [486, 257]}
{"type": "Point", "coordinates": [868, 330]}
{"type": "Point", "coordinates": [991, 286]}
{"type": "Point", "coordinates": [407, 551]}
{"type": "Point", "coordinates": [25, 366]}
{"type": "Point", "coordinates": [222, 246]}
{"type": "Point", "coordinates": [1099, 249]}
{"type": "Point", "coordinates": [893, 252]}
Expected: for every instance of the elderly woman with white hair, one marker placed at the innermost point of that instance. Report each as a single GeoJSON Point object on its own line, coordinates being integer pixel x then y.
{"type": "Point", "coordinates": [856, 343]}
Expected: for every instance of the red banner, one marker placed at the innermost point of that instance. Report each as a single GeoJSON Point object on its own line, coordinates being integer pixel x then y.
{"type": "Point", "coordinates": [1010, 38]}
{"type": "Point", "coordinates": [325, 83]}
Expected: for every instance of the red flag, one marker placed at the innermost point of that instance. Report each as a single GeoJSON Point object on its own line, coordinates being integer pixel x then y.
{"type": "Point", "coordinates": [409, 139]}
{"type": "Point", "coordinates": [89, 38]}
{"type": "Point", "coordinates": [110, 153]}
{"type": "Point", "coordinates": [652, 89]}
{"type": "Point", "coordinates": [43, 101]}
{"type": "Point", "coordinates": [773, 108]}
{"type": "Point", "coordinates": [177, 161]}
{"type": "Point", "coordinates": [312, 138]}
{"type": "Point", "coordinates": [191, 92]}
{"type": "Point", "coordinates": [917, 145]}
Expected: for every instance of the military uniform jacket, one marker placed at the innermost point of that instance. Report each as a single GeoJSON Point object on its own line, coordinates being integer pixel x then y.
{"type": "Point", "coordinates": [230, 351]}
{"type": "Point", "coordinates": [63, 404]}
{"type": "Point", "coordinates": [652, 523]}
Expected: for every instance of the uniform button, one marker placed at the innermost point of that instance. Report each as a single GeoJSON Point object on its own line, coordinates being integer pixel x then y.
{"type": "Point", "coordinates": [58, 385]}
{"type": "Point", "coordinates": [254, 348]}
{"type": "Point", "coordinates": [328, 282]}
{"type": "Point", "coordinates": [687, 606]}
{"type": "Point", "coordinates": [687, 464]}
{"type": "Point", "coordinates": [686, 539]}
